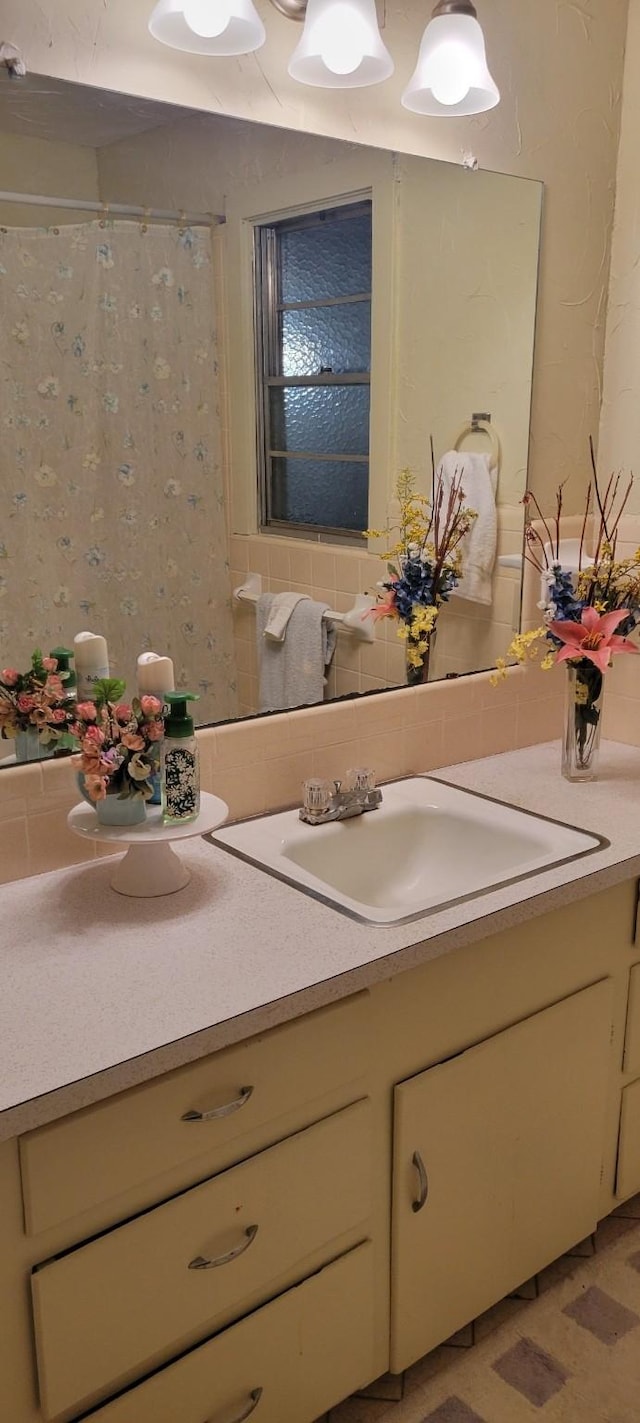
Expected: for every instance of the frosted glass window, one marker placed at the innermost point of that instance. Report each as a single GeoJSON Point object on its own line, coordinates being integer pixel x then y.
{"type": "Point", "coordinates": [326, 339]}
{"type": "Point", "coordinates": [328, 259]}
{"type": "Point", "coordinates": [313, 276]}
{"type": "Point", "coordinates": [328, 494]}
{"type": "Point", "coordinates": [331, 420]}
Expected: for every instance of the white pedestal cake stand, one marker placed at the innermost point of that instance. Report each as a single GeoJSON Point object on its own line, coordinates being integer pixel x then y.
{"type": "Point", "coordinates": [150, 867]}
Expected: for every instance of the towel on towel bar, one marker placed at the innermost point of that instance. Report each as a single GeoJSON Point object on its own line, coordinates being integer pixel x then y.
{"type": "Point", "coordinates": [292, 672]}
{"type": "Point", "coordinates": [281, 609]}
{"type": "Point", "coordinates": [478, 548]}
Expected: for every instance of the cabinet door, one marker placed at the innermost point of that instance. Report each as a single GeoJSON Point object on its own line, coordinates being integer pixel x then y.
{"type": "Point", "coordinates": [497, 1161]}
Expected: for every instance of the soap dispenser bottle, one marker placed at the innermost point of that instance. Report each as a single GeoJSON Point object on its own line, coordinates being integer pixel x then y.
{"type": "Point", "coordinates": [179, 764]}
{"type": "Point", "coordinates": [66, 673]}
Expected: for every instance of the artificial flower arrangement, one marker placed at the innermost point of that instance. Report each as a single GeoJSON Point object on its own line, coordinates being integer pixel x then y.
{"type": "Point", "coordinates": [587, 615]}
{"type": "Point", "coordinates": [425, 562]}
{"type": "Point", "coordinates": [35, 701]}
{"type": "Point", "coordinates": [119, 743]}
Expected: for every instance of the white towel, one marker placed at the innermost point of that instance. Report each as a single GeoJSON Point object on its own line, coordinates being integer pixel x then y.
{"type": "Point", "coordinates": [292, 672]}
{"type": "Point", "coordinates": [474, 471]}
{"type": "Point", "coordinates": [281, 609]}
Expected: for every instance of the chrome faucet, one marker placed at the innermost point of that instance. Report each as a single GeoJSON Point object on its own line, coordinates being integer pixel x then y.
{"type": "Point", "coordinates": [337, 800]}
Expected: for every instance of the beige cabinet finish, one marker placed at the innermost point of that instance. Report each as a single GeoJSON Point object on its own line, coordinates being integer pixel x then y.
{"type": "Point", "coordinates": [632, 1037]}
{"type": "Point", "coordinates": [500, 1063]}
{"type": "Point", "coordinates": [628, 1173]}
{"type": "Point", "coordinates": [497, 1160]}
{"type": "Point", "coordinates": [245, 1094]}
{"type": "Point", "coordinates": [290, 1356]}
{"type": "Point", "coordinates": [124, 1303]}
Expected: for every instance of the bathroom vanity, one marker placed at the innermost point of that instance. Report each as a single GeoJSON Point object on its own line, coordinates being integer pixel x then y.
{"type": "Point", "coordinates": [261, 1216]}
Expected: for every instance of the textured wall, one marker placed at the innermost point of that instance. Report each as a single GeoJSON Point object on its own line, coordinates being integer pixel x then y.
{"type": "Point", "coordinates": [559, 67]}
{"type": "Point", "coordinates": [620, 426]}
{"type": "Point", "coordinates": [34, 165]}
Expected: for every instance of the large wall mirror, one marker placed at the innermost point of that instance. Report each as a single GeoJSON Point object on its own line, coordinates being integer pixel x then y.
{"type": "Point", "coordinates": [209, 398]}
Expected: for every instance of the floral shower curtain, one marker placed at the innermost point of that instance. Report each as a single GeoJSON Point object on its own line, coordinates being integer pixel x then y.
{"type": "Point", "coordinates": [111, 492]}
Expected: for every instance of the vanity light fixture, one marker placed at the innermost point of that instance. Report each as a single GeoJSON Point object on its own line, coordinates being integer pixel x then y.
{"type": "Point", "coordinates": [341, 47]}
{"type": "Point", "coordinates": [222, 27]}
{"type": "Point", "coordinates": [452, 75]}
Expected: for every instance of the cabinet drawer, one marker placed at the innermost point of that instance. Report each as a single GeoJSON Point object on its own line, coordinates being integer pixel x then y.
{"type": "Point", "coordinates": [631, 1062]}
{"type": "Point", "coordinates": [628, 1173]}
{"type": "Point", "coordinates": [307, 1350]}
{"type": "Point", "coordinates": [122, 1304]}
{"type": "Point", "coordinates": [242, 1092]}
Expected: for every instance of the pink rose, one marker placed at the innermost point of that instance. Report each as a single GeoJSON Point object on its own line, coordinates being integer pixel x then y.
{"type": "Point", "coordinates": [86, 711]}
{"type": "Point", "coordinates": [58, 716]}
{"type": "Point", "coordinates": [132, 741]}
{"type": "Point", "coordinates": [26, 702]}
{"type": "Point", "coordinates": [122, 712]}
{"type": "Point", "coordinates": [95, 786]}
{"type": "Point", "coordinates": [50, 664]}
{"type": "Point", "coordinates": [151, 706]}
{"type": "Point", "coordinates": [93, 737]}
{"type": "Point", "coordinates": [9, 676]}
{"type": "Point", "coordinates": [154, 730]}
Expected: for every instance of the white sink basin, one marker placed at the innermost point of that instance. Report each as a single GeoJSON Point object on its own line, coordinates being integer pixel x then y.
{"type": "Point", "coordinates": [429, 845]}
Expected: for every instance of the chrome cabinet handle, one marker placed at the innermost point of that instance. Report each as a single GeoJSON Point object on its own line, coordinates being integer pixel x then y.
{"type": "Point", "coordinates": [423, 1182]}
{"type": "Point", "coordinates": [254, 1399]}
{"type": "Point", "coordinates": [226, 1111]}
{"type": "Point", "coordinates": [201, 1264]}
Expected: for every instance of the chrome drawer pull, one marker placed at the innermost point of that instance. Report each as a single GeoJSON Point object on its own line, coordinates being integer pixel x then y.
{"type": "Point", "coordinates": [201, 1264]}
{"type": "Point", "coordinates": [254, 1399]}
{"type": "Point", "coordinates": [423, 1182]}
{"type": "Point", "coordinates": [229, 1107]}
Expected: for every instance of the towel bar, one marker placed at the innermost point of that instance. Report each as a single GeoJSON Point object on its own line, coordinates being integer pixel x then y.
{"type": "Point", "coordinates": [352, 622]}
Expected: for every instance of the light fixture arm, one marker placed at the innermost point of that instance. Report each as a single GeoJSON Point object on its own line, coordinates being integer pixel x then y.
{"type": "Point", "coordinates": [455, 7]}
{"type": "Point", "coordinates": [292, 9]}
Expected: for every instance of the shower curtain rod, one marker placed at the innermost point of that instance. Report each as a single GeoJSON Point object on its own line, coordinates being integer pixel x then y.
{"type": "Point", "coordinates": [106, 210]}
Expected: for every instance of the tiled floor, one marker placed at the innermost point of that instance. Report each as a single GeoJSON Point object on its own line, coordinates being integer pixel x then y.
{"type": "Point", "coordinates": [566, 1350]}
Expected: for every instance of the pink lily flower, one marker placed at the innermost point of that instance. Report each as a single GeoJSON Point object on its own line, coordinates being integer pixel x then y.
{"type": "Point", "coordinates": [387, 609]}
{"type": "Point", "coordinates": [594, 637]}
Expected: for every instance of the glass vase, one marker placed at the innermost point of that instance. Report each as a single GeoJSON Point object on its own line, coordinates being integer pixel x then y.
{"type": "Point", "coordinates": [583, 719]}
{"type": "Point", "coordinates": [418, 675]}
{"type": "Point", "coordinates": [29, 746]}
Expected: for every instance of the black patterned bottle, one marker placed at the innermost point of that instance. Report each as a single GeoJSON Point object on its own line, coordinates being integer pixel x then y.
{"type": "Point", "coordinates": [179, 763]}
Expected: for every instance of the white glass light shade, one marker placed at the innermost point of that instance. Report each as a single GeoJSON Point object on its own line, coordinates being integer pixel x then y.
{"type": "Point", "coordinates": [341, 46]}
{"type": "Point", "coordinates": [221, 27]}
{"type": "Point", "coordinates": [451, 76]}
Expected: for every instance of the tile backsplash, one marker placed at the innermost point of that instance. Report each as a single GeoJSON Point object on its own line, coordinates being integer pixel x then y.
{"type": "Point", "coordinates": [259, 765]}
{"type": "Point", "coordinates": [470, 635]}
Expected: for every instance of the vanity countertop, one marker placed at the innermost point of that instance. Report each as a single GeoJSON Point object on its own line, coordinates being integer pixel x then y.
{"type": "Point", "coordinates": [99, 992]}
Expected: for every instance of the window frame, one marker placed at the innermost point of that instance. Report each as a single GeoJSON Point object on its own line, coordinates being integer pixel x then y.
{"type": "Point", "coordinates": [267, 310]}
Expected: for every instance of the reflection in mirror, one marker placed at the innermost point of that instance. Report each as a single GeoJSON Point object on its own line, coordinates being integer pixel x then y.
{"type": "Point", "coordinates": [215, 389]}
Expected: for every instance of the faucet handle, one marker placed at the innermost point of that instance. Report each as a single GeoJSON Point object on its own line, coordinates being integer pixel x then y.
{"type": "Point", "coordinates": [361, 778]}
{"type": "Point", "coordinates": [316, 796]}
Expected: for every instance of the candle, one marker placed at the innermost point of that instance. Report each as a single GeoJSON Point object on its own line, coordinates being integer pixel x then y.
{"type": "Point", "coordinates": [92, 663]}
{"type": "Point", "coordinates": [155, 675]}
